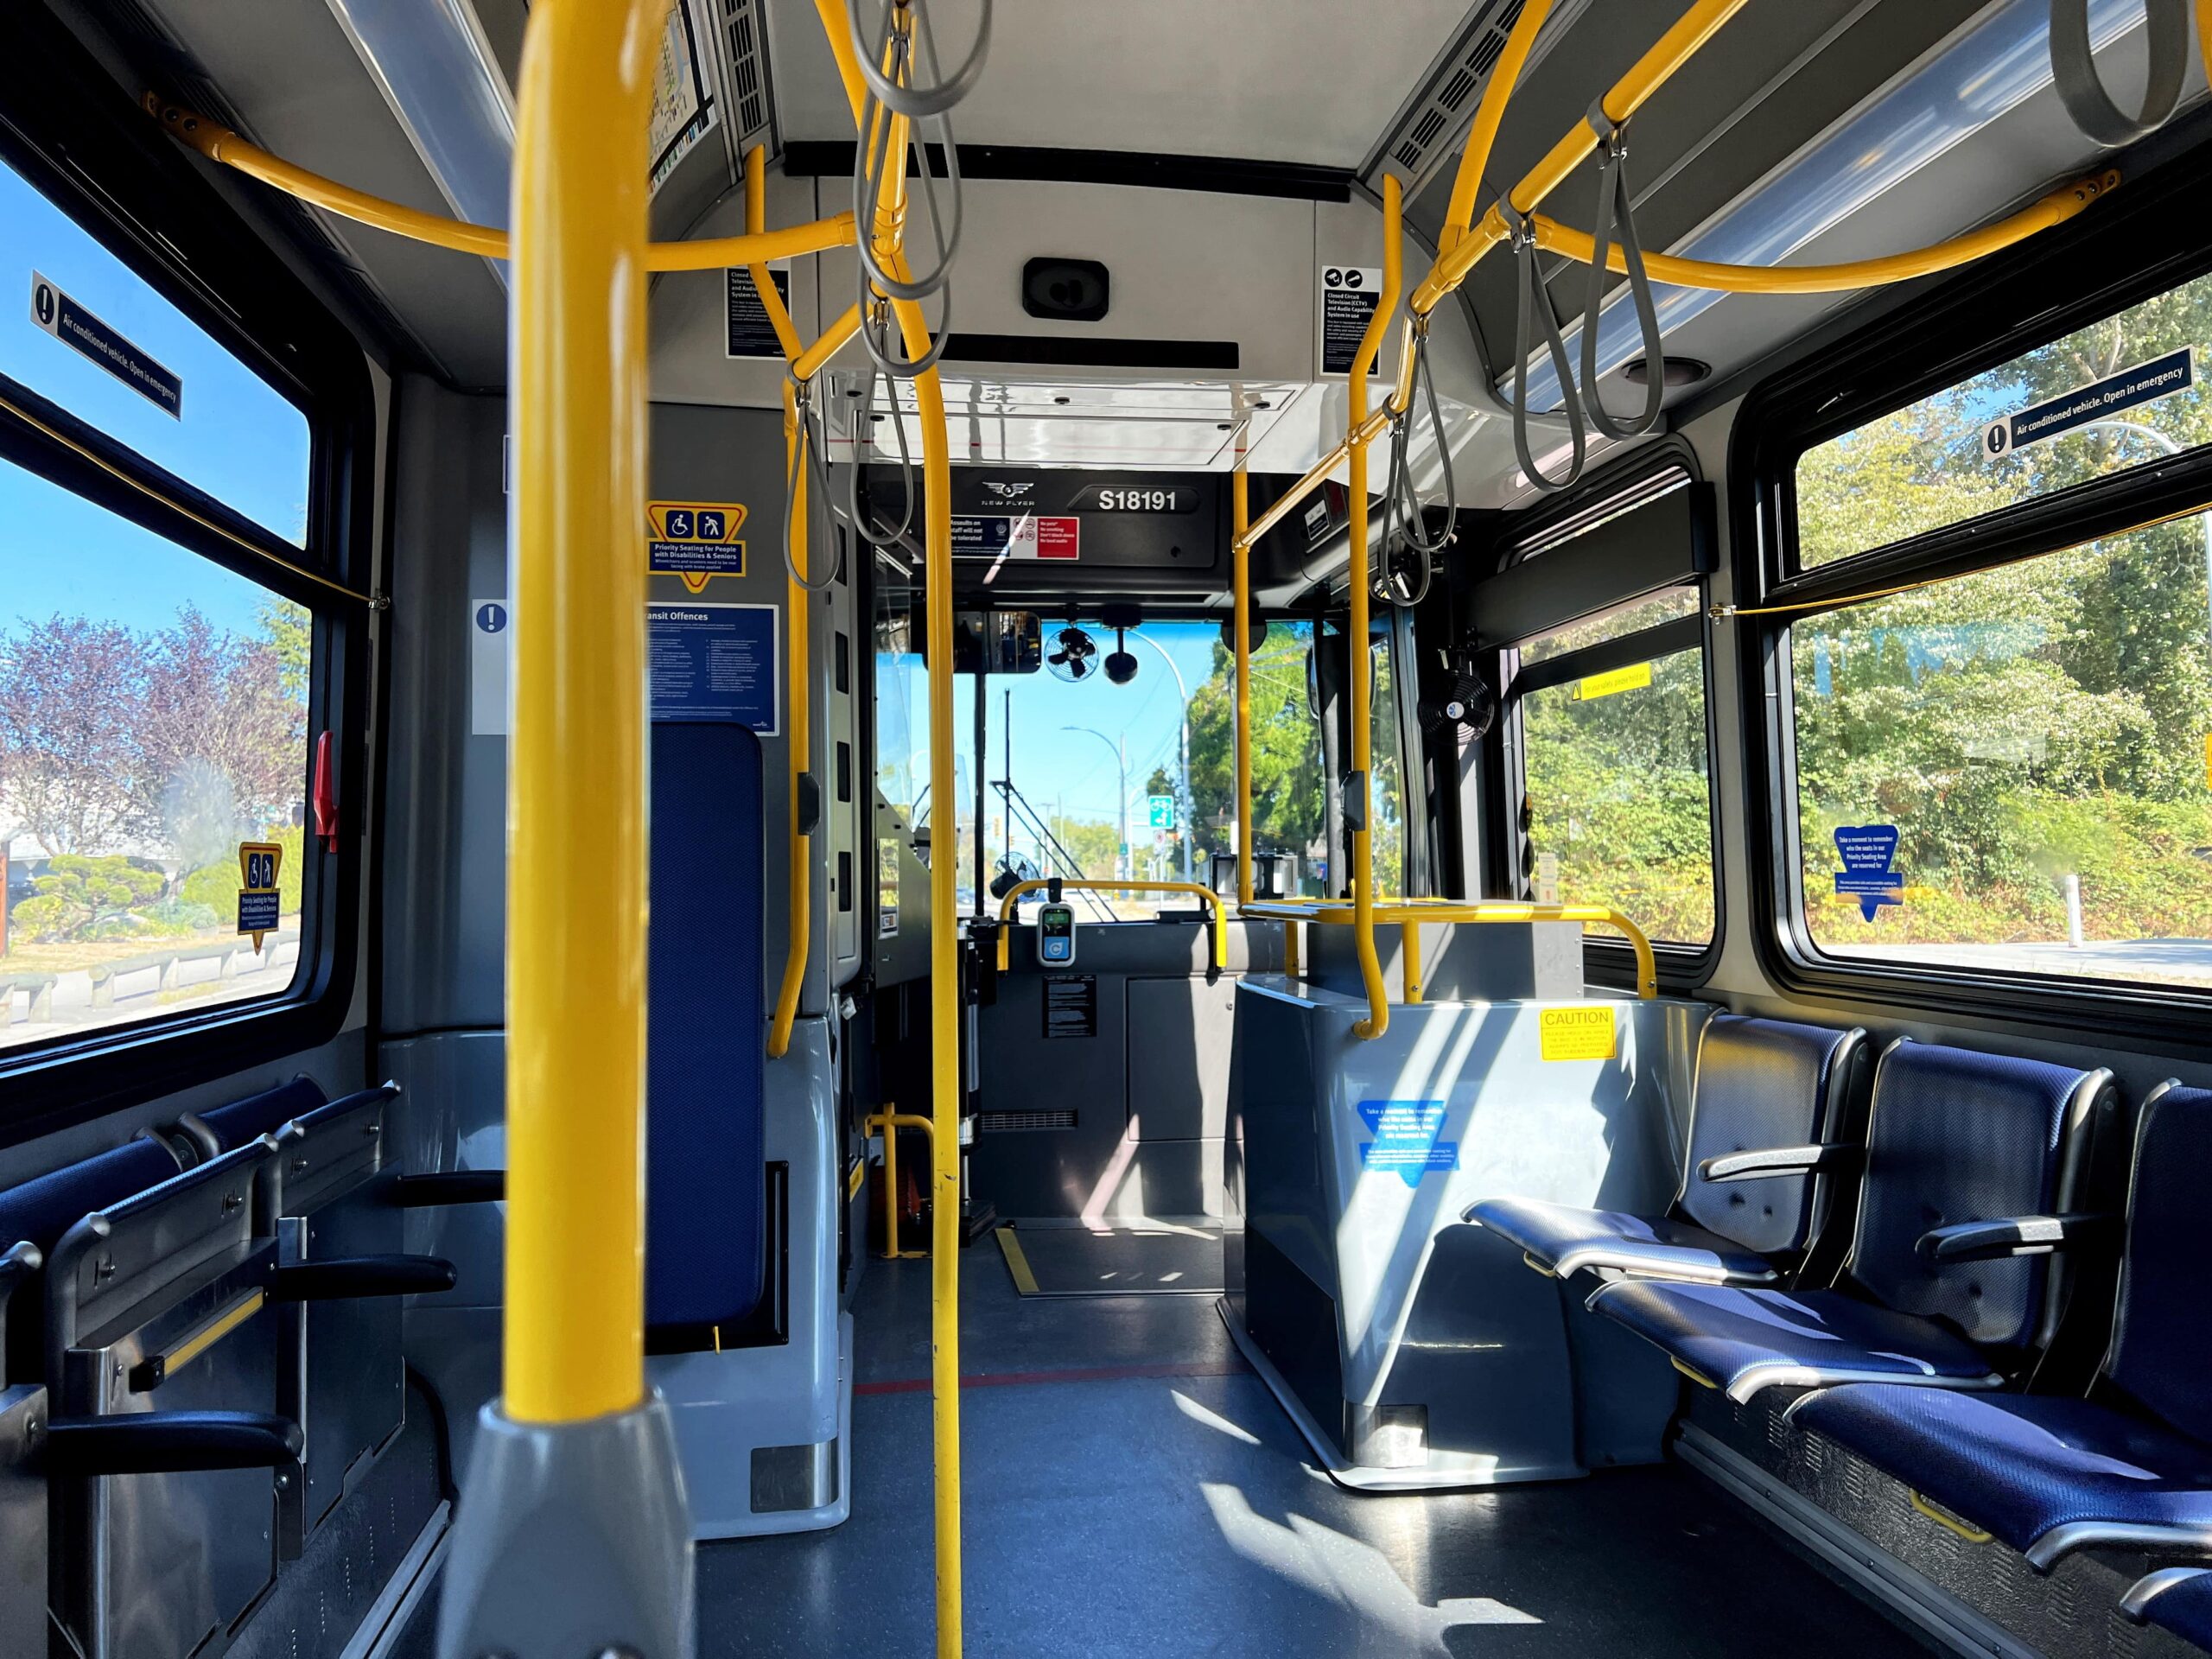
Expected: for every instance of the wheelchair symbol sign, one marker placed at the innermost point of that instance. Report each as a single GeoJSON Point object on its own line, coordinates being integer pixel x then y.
{"type": "Point", "coordinates": [259, 864]}
{"type": "Point", "coordinates": [695, 540]}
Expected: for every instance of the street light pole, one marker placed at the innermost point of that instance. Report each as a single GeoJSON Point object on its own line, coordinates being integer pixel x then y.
{"type": "Point", "coordinates": [1122, 763]}
{"type": "Point", "coordinates": [1185, 808]}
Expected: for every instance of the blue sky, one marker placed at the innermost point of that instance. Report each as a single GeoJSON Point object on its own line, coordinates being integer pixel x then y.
{"type": "Point", "coordinates": [1058, 769]}
{"type": "Point", "coordinates": [236, 437]}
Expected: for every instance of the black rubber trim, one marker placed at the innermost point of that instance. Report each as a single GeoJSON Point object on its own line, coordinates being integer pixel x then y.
{"type": "Point", "coordinates": [1221, 175]}
{"type": "Point", "coordinates": [1084, 352]}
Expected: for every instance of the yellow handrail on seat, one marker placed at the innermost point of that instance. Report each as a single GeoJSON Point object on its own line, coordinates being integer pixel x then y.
{"type": "Point", "coordinates": [1408, 913]}
{"type": "Point", "coordinates": [1190, 888]}
{"type": "Point", "coordinates": [890, 1121]}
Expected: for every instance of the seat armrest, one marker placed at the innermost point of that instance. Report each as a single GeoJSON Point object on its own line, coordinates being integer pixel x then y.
{"type": "Point", "coordinates": [344, 1278]}
{"type": "Point", "coordinates": [2008, 1235]}
{"type": "Point", "coordinates": [1770, 1161]}
{"type": "Point", "coordinates": [449, 1187]}
{"type": "Point", "coordinates": [171, 1442]}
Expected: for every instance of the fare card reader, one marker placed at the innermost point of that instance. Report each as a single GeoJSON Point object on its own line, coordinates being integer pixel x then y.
{"type": "Point", "coordinates": [1055, 930]}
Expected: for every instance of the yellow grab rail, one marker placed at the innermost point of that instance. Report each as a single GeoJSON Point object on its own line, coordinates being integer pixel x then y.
{"type": "Point", "coordinates": [1628, 95]}
{"type": "Point", "coordinates": [1014, 895]}
{"type": "Point", "coordinates": [219, 144]}
{"type": "Point", "coordinates": [1240, 508]}
{"type": "Point", "coordinates": [944, 898]}
{"type": "Point", "coordinates": [2056, 208]}
{"type": "Point", "coordinates": [1407, 914]}
{"type": "Point", "coordinates": [575, 1322]}
{"type": "Point", "coordinates": [1363, 844]}
{"type": "Point", "coordinates": [890, 1122]}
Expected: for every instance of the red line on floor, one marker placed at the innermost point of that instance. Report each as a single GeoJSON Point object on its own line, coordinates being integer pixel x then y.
{"type": "Point", "coordinates": [1085, 1374]}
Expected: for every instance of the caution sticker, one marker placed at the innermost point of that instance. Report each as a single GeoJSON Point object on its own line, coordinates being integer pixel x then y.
{"type": "Point", "coordinates": [258, 862]}
{"type": "Point", "coordinates": [1634, 678]}
{"type": "Point", "coordinates": [1579, 1034]}
{"type": "Point", "coordinates": [695, 540]}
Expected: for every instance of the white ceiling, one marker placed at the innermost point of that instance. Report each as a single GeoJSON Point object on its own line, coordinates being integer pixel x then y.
{"type": "Point", "coordinates": [1310, 81]}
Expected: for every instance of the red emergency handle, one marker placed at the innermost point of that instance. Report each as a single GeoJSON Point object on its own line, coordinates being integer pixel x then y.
{"type": "Point", "coordinates": [325, 795]}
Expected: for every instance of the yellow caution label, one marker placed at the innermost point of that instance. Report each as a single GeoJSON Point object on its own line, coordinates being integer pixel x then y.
{"type": "Point", "coordinates": [1634, 678]}
{"type": "Point", "coordinates": [1583, 1033]}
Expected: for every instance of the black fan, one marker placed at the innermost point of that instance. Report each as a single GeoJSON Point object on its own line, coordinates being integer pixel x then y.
{"type": "Point", "coordinates": [1459, 696]}
{"type": "Point", "coordinates": [1014, 868]}
{"type": "Point", "coordinates": [1072, 660]}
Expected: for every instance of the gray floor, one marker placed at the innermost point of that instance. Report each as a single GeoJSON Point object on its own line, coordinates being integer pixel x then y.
{"type": "Point", "coordinates": [1132, 1490]}
{"type": "Point", "coordinates": [1064, 1261]}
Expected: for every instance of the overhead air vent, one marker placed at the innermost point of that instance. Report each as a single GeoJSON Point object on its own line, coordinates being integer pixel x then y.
{"type": "Point", "coordinates": [1432, 123]}
{"type": "Point", "coordinates": [1010, 1122]}
{"type": "Point", "coordinates": [745, 64]}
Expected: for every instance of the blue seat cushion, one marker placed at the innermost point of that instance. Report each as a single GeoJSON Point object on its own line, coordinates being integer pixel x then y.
{"type": "Point", "coordinates": [2024, 1468]}
{"type": "Point", "coordinates": [263, 1114]}
{"type": "Point", "coordinates": [1565, 1240]}
{"type": "Point", "coordinates": [1742, 1341]}
{"type": "Point", "coordinates": [43, 1208]}
{"type": "Point", "coordinates": [706, 1027]}
{"type": "Point", "coordinates": [2184, 1608]}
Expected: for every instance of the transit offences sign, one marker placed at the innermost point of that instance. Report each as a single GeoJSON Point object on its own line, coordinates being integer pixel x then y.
{"type": "Point", "coordinates": [2146, 382]}
{"type": "Point", "coordinates": [56, 314]}
{"type": "Point", "coordinates": [258, 862]}
{"type": "Point", "coordinates": [695, 540]}
{"type": "Point", "coordinates": [1160, 810]}
{"type": "Point", "coordinates": [714, 662]}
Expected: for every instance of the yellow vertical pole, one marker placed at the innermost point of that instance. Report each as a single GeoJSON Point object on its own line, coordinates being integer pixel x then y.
{"type": "Point", "coordinates": [1362, 863]}
{"type": "Point", "coordinates": [800, 694]}
{"type": "Point", "coordinates": [1409, 959]}
{"type": "Point", "coordinates": [1240, 501]}
{"type": "Point", "coordinates": [945, 948]}
{"type": "Point", "coordinates": [575, 1333]}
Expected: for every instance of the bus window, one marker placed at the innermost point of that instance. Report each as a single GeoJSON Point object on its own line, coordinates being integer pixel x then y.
{"type": "Point", "coordinates": [2117, 395]}
{"type": "Point", "coordinates": [1288, 812]}
{"type": "Point", "coordinates": [1387, 843]}
{"type": "Point", "coordinates": [109, 349]}
{"type": "Point", "coordinates": [2024, 752]}
{"type": "Point", "coordinates": [1615, 766]}
{"type": "Point", "coordinates": [153, 717]}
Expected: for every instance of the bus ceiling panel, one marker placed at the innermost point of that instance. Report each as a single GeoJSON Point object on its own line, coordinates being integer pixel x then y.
{"type": "Point", "coordinates": [290, 79]}
{"type": "Point", "coordinates": [688, 312]}
{"type": "Point", "coordinates": [1306, 81]}
{"type": "Point", "coordinates": [1175, 426]}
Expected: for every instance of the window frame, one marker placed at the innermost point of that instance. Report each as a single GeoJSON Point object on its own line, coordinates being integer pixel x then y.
{"type": "Point", "coordinates": [1966, 327]}
{"type": "Point", "coordinates": [71, 135]}
{"type": "Point", "coordinates": [1682, 968]}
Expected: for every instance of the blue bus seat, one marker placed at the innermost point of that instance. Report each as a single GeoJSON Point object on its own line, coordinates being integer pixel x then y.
{"type": "Point", "coordinates": [228, 1128]}
{"type": "Point", "coordinates": [707, 1018]}
{"type": "Point", "coordinates": [2046, 1475]}
{"type": "Point", "coordinates": [2177, 1600]}
{"type": "Point", "coordinates": [1953, 1137]}
{"type": "Point", "coordinates": [1761, 1085]}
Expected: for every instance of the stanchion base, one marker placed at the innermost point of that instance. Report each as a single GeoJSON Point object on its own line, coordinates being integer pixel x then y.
{"type": "Point", "coordinates": [571, 1540]}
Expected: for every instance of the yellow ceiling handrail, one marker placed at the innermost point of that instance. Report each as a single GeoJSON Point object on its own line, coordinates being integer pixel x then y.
{"type": "Point", "coordinates": [2056, 208]}
{"type": "Point", "coordinates": [1014, 895]}
{"type": "Point", "coordinates": [219, 144]}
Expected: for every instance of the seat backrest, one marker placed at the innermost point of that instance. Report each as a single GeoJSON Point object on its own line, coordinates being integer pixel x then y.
{"type": "Point", "coordinates": [1763, 1082]}
{"type": "Point", "coordinates": [706, 1073]}
{"type": "Point", "coordinates": [2161, 1352]}
{"type": "Point", "coordinates": [1952, 1136]}
{"type": "Point", "coordinates": [263, 1114]}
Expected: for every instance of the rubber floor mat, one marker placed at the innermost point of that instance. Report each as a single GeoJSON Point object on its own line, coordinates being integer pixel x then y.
{"type": "Point", "coordinates": [1122, 1261]}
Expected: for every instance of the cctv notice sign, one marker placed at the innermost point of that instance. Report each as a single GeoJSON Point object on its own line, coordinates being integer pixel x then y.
{"type": "Point", "coordinates": [1348, 296]}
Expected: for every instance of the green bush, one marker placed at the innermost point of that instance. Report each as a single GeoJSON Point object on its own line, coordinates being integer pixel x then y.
{"type": "Point", "coordinates": [215, 886]}
{"type": "Point", "coordinates": [80, 897]}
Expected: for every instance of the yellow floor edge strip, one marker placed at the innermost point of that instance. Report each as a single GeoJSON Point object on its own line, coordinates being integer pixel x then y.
{"type": "Point", "coordinates": [1016, 1262]}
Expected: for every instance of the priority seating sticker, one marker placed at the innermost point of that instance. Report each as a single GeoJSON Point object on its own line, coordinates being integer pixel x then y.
{"type": "Point", "coordinates": [1579, 1034]}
